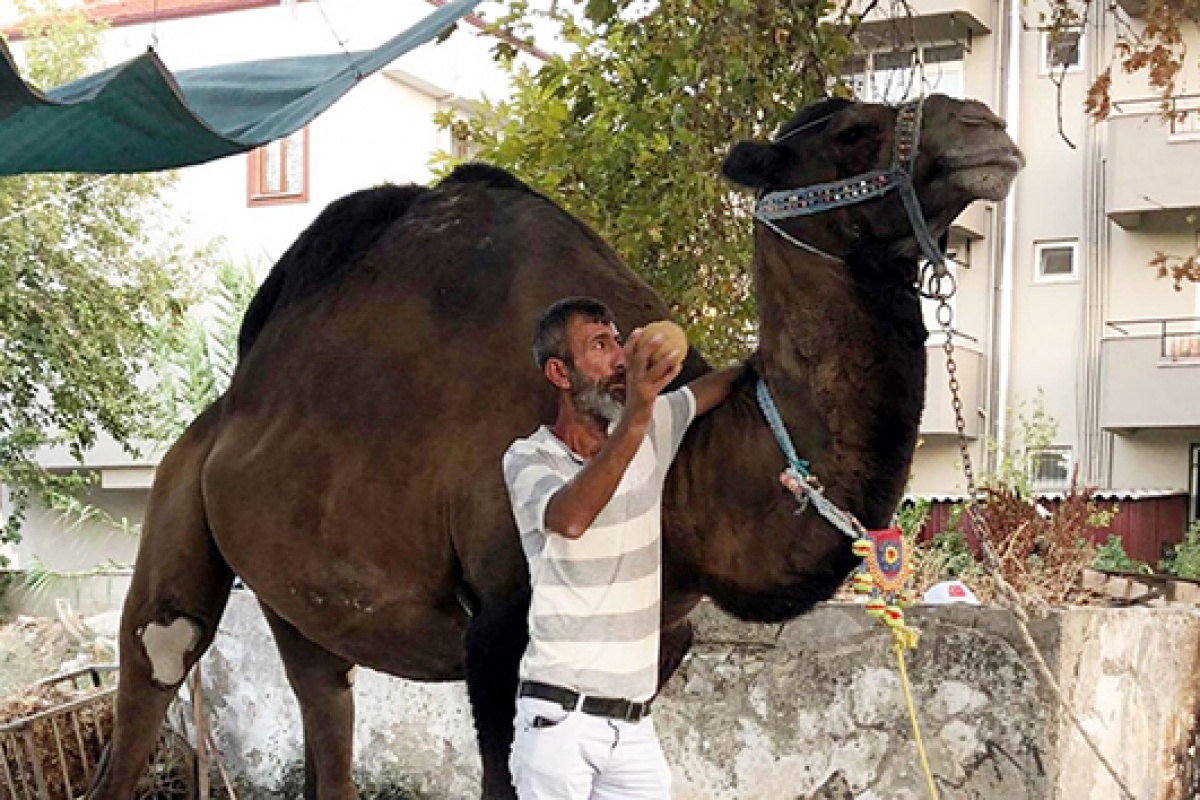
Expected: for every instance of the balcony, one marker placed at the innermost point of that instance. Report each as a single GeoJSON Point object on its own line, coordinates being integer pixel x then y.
{"type": "Point", "coordinates": [1150, 374]}
{"type": "Point", "coordinates": [935, 21]}
{"type": "Point", "coordinates": [1137, 8]}
{"type": "Point", "coordinates": [938, 419]}
{"type": "Point", "coordinates": [117, 468]}
{"type": "Point", "coordinates": [972, 224]}
{"type": "Point", "coordinates": [1153, 163]}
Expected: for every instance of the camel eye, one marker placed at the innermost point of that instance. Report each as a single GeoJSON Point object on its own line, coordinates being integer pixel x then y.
{"type": "Point", "coordinates": [853, 135]}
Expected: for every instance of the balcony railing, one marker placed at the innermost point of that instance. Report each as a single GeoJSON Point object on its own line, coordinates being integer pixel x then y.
{"type": "Point", "coordinates": [1178, 337]}
{"type": "Point", "coordinates": [1150, 368]}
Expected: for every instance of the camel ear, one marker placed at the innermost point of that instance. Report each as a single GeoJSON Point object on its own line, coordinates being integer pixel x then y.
{"type": "Point", "coordinates": [756, 165]}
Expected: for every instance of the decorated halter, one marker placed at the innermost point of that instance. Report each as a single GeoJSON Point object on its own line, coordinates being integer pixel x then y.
{"type": "Point", "coordinates": [805, 201]}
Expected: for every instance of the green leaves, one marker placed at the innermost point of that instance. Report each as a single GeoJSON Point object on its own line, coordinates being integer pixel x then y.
{"type": "Point", "coordinates": [629, 130]}
{"type": "Point", "coordinates": [82, 295]}
{"type": "Point", "coordinates": [195, 358]}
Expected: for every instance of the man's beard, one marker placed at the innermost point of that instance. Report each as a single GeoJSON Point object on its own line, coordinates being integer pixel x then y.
{"type": "Point", "coordinates": [597, 399]}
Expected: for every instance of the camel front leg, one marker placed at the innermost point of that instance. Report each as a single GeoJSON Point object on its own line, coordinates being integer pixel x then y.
{"type": "Point", "coordinates": [323, 685]}
{"type": "Point", "coordinates": [674, 644]}
{"type": "Point", "coordinates": [495, 641]}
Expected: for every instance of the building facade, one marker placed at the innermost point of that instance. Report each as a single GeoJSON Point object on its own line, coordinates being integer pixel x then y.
{"type": "Point", "coordinates": [1058, 305]}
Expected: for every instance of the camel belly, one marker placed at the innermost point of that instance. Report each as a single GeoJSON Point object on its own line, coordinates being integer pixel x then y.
{"type": "Point", "coordinates": [413, 642]}
{"type": "Point", "coordinates": [348, 561]}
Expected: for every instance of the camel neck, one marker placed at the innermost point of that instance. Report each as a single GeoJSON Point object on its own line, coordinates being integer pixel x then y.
{"type": "Point", "coordinates": [842, 350]}
{"type": "Point", "coordinates": [847, 374]}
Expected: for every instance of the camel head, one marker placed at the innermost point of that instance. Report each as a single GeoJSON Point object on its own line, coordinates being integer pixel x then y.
{"type": "Point", "coordinates": [833, 176]}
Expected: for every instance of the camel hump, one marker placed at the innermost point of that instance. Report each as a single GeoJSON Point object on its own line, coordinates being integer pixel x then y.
{"type": "Point", "coordinates": [489, 176]}
{"type": "Point", "coordinates": [325, 252]}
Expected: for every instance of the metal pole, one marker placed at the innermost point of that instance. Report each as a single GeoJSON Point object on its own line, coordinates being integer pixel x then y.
{"type": "Point", "coordinates": [202, 788]}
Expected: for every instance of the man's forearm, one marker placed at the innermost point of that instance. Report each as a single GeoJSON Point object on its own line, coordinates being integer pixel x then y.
{"type": "Point", "coordinates": [575, 506]}
{"type": "Point", "coordinates": [711, 390]}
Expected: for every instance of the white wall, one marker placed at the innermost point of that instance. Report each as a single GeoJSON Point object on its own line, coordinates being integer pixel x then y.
{"type": "Point", "coordinates": [382, 131]}
{"type": "Point", "coordinates": [1153, 459]}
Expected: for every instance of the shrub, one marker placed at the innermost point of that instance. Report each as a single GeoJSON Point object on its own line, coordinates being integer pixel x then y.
{"type": "Point", "coordinates": [1184, 559]}
{"type": "Point", "coordinates": [1111, 557]}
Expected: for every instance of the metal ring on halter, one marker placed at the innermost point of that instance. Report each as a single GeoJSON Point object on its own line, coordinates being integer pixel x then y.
{"type": "Point", "coordinates": [937, 284]}
{"type": "Point", "coordinates": [945, 315]}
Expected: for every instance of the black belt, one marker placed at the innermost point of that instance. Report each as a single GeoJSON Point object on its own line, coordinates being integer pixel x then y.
{"type": "Point", "coordinates": [611, 707]}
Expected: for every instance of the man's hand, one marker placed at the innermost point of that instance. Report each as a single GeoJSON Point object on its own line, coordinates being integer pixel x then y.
{"type": "Point", "coordinates": [650, 364]}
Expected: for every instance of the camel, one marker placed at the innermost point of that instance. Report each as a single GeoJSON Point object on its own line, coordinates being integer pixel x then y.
{"type": "Point", "coordinates": [351, 473]}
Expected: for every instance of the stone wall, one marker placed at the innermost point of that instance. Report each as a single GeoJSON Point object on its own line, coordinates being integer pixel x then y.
{"type": "Point", "coordinates": [811, 710]}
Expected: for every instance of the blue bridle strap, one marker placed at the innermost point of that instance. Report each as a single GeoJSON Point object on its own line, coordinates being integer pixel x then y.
{"type": "Point", "coordinates": [777, 427]}
{"type": "Point", "coordinates": [797, 476]}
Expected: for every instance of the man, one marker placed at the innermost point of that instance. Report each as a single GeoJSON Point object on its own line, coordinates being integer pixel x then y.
{"type": "Point", "coordinates": [586, 496]}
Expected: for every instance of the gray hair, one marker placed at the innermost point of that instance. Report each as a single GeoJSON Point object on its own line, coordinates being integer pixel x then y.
{"type": "Point", "coordinates": [550, 334]}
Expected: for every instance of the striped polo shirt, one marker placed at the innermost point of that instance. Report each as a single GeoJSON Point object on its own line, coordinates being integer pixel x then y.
{"type": "Point", "coordinates": [594, 616]}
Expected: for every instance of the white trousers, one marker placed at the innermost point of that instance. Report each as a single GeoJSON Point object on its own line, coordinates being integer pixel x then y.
{"type": "Point", "coordinates": [569, 755]}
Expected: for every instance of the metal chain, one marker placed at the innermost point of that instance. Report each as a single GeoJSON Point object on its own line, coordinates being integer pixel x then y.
{"type": "Point", "coordinates": [945, 318]}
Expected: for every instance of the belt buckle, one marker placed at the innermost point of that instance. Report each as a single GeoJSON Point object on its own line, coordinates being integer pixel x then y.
{"type": "Point", "coordinates": [633, 712]}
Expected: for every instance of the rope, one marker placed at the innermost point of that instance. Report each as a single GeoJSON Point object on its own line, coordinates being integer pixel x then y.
{"type": "Point", "coordinates": [779, 429]}
{"type": "Point", "coordinates": [899, 645]}
{"type": "Point", "coordinates": [340, 42]}
{"type": "Point", "coordinates": [816, 251]}
{"type": "Point", "coordinates": [801, 483]}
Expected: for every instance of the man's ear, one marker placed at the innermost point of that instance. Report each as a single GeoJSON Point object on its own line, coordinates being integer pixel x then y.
{"type": "Point", "coordinates": [555, 371]}
{"type": "Point", "coordinates": [756, 165]}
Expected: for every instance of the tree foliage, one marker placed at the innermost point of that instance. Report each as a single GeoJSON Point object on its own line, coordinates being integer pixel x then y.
{"type": "Point", "coordinates": [628, 131]}
{"type": "Point", "coordinates": [196, 359]}
{"type": "Point", "coordinates": [82, 292]}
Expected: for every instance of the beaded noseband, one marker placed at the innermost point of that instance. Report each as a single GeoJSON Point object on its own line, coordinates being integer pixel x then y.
{"type": "Point", "coordinates": [808, 200]}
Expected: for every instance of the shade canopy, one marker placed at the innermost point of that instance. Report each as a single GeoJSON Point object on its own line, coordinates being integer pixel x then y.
{"type": "Point", "coordinates": [139, 117]}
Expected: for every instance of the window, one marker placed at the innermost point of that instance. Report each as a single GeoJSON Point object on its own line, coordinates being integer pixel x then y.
{"type": "Point", "coordinates": [1194, 486]}
{"type": "Point", "coordinates": [1054, 262]}
{"type": "Point", "coordinates": [1050, 467]}
{"type": "Point", "coordinates": [1062, 51]}
{"type": "Point", "coordinates": [278, 171]}
{"type": "Point", "coordinates": [893, 76]}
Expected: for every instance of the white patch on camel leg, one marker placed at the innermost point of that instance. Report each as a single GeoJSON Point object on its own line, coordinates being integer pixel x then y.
{"type": "Point", "coordinates": [167, 647]}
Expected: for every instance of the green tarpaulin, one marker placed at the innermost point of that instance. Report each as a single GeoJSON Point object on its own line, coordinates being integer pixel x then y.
{"type": "Point", "coordinates": [138, 117]}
